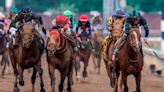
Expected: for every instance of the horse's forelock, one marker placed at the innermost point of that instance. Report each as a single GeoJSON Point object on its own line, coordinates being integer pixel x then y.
{"type": "Point", "coordinates": [28, 28]}
{"type": "Point", "coordinates": [54, 35]}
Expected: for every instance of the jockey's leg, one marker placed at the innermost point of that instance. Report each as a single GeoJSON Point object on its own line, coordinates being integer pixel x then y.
{"type": "Point", "coordinates": [105, 44]}
{"type": "Point", "coordinates": [141, 52]}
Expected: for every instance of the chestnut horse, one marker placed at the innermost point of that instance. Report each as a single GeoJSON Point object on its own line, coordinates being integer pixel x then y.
{"type": "Point", "coordinates": [59, 56]}
{"type": "Point", "coordinates": [26, 55]}
{"type": "Point", "coordinates": [83, 55]}
{"type": "Point", "coordinates": [97, 38]}
{"type": "Point", "coordinates": [129, 61]}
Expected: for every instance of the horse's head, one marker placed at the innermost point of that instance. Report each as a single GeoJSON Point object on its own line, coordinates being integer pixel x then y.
{"type": "Point", "coordinates": [84, 37]}
{"type": "Point", "coordinates": [135, 39]}
{"type": "Point", "coordinates": [27, 34]}
{"type": "Point", "coordinates": [53, 42]}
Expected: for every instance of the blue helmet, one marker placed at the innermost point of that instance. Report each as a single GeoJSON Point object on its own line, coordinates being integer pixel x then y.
{"type": "Point", "coordinates": [120, 12]}
{"type": "Point", "coordinates": [26, 10]}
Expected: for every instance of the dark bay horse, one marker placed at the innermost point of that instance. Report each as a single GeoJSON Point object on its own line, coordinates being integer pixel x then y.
{"type": "Point", "coordinates": [59, 56]}
{"type": "Point", "coordinates": [83, 55]}
{"type": "Point", "coordinates": [130, 61]}
{"type": "Point", "coordinates": [3, 49]}
{"type": "Point", "coordinates": [26, 55]}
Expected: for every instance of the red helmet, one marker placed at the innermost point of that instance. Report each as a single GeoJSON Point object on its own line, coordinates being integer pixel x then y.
{"type": "Point", "coordinates": [61, 20]}
{"type": "Point", "coordinates": [83, 17]}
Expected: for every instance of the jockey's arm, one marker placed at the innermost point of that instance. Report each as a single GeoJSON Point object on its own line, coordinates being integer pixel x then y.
{"type": "Point", "coordinates": [40, 22]}
{"type": "Point", "coordinates": [77, 28]}
{"type": "Point", "coordinates": [144, 24]}
{"type": "Point", "coordinates": [127, 27]}
{"type": "Point", "coordinates": [89, 28]}
{"type": "Point", "coordinates": [14, 22]}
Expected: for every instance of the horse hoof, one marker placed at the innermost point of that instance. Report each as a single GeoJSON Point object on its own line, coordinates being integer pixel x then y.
{"type": "Point", "coordinates": [21, 83]}
{"type": "Point", "coordinates": [42, 90]}
{"type": "Point", "coordinates": [16, 90]}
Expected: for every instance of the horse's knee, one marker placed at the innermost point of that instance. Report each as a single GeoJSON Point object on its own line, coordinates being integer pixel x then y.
{"type": "Point", "coordinates": [33, 78]}
{"type": "Point", "coordinates": [40, 71]}
{"type": "Point", "coordinates": [60, 87]}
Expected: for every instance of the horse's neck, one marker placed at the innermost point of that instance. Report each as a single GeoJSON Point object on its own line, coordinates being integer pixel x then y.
{"type": "Point", "coordinates": [130, 51]}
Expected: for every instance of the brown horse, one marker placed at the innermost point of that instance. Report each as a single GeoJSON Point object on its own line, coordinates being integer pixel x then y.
{"type": "Point", "coordinates": [59, 56]}
{"type": "Point", "coordinates": [130, 61]}
{"type": "Point", "coordinates": [97, 38]}
{"type": "Point", "coordinates": [26, 55]}
{"type": "Point", "coordinates": [3, 50]}
{"type": "Point", "coordinates": [83, 55]}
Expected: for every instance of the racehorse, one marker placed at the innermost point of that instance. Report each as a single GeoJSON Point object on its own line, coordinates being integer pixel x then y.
{"type": "Point", "coordinates": [97, 38]}
{"type": "Point", "coordinates": [3, 50]}
{"type": "Point", "coordinates": [59, 56]}
{"type": "Point", "coordinates": [129, 61]}
{"type": "Point", "coordinates": [26, 55]}
{"type": "Point", "coordinates": [83, 55]}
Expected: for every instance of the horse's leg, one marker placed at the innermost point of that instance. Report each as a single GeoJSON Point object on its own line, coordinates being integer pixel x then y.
{"type": "Point", "coordinates": [33, 78]}
{"type": "Point", "coordinates": [70, 77]}
{"type": "Point", "coordinates": [109, 69]}
{"type": "Point", "coordinates": [85, 75]}
{"type": "Point", "coordinates": [99, 64]}
{"type": "Point", "coordinates": [20, 71]}
{"type": "Point", "coordinates": [40, 71]}
{"type": "Point", "coordinates": [63, 76]}
{"type": "Point", "coordinates": [52, 77]}
{"type": "Point", "coordinates": [94, 62]}
{"type": "Point", "coordinates": [16, 89]}
{"type": "Point", "coordinates": [77, 67]}
{"type": "Point", "coordinates": [5, 61]}
{"type": "Point", "coordinates": [138, 81]}
{"type": "Point", "coordinates": [13, 63]}
{"type": "Point", "coordinates": [124, 79]}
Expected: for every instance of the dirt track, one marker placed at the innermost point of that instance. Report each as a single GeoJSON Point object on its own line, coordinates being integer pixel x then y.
{"type": "Point", "coordinates": [94, 83]}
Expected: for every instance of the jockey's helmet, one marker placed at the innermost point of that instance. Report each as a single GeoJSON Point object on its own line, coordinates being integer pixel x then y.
{"type": "Point", "coordinates": [61, 20]}
{"type": "Point", "coordinates": [26, 11]}
{"type": "Point", "coordinates": [68, 13]}
{"type": "Point", "coordinates": [83, 18]}
{"type": "Point", "coordinates": [135, 15]}
{"type": "Point", "coordinates": [13, 10]}
{"type": "Point", "coordinates": [120, 13]}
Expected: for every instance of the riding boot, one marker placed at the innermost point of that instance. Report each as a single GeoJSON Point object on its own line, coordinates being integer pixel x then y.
{"type": "Point", "coordinates": [40, 39]}
{"type": "Point", "coordinates": [16, 39]}
{"type": "Point", "coordinates": [105, 46]}
{"type": "Point", "coordinates": [141, 52]}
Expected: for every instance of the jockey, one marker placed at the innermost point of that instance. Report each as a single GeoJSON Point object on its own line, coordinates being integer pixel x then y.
{"type": "Point", "coordinates": [2, 22]}
{"type": "Point", "coordinates": [63, 24]}
{"type": "Point", "coordinates": [72, 20]}
{"type": "Point", "coordinates": [84, 27]}
{"type": "Point", "coordinates": [117, 19]}
{"type": "Point", "coordinates": [96, 21]}
{"type": "Point", "coordinates": [12, 14]}
{"type": "Point", "coordinates": [26, 15]}
{"type": "Point", "coordinates": [134, 21]}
